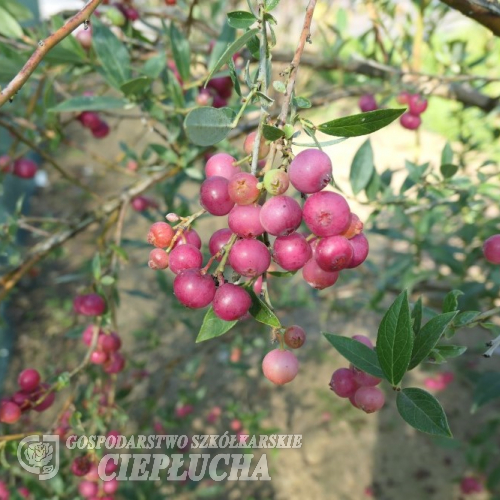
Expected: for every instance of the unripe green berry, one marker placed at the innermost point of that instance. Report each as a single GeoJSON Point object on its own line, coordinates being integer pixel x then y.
{"type": "Point", "coordinates": [276, 182]}
{"type": "Point", "coordinates": [116, 17]}
{"type": "Point", "coordinates": [289, 130]}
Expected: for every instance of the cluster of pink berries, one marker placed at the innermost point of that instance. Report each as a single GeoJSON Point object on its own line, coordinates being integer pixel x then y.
{"type": "Point", "coordinates": [23, 168]}
{"type": "Point", "coordinates": [491, 249]}
{"type": "Point", "coordinates": [92, 487]}
{"type": "Point", "coordinates": [358, 386]}
{"type": "Point", "coordinates": [411, 119]}
{"type": "Point", "coordinates": [91, 120]}
{"type": "Point", "coordinates": [22, 492]}
{"type": "Point", "coordinates": [33, 394]}
{"type": "Point", "coordinates": [440, 381]}
{"type": "Point", "coordinates": [217, 92]}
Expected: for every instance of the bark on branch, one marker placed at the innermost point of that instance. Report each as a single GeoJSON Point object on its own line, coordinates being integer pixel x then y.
{"type": "Point", "coordinates": [485, 12]}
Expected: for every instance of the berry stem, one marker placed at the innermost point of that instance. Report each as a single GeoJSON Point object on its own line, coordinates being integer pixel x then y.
{"type": "Point", "coordinates": [226, 248]}
{"type": "Point", "coordinates": [182, 226]}
{"type": "Point", "coordinates": [246, 102]}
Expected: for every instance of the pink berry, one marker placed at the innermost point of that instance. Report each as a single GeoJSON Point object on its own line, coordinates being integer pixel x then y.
{"type": "Point", "coordinates": [101, 131]}
{"type": "Point", "coordinates": [189, 237]}
{"type": "Point", "coordinates": [318, 278]}
{"type": "Point", "coordinates": [47, 401]}
{"type": "Point", "coordinates": [84, 38]}
{"type": "Point", "coordinates": [219, 102]}
{"type": "Point", "coordinates": [110, 487]}
{"type": "Point", "coordinates": [360, 248]}
{"type": "Point", "coordinates": [294, 337]}
{"type": "Point", "coordinates": [257, 286]}
{"type": "Point", "coordinates": [417, 104]}
{"type": "Point", "coordinates": [403, 97]}
{"type": "Point", "coordinates": [334, 253]}
{"type": "Point", "coordinates": [369, 399]}
{"type": "Point", "coordinates": [410, 121]}
{"type": "Point", "coordinates": [291, 252]}
{"type": "Point", "coordinates": [91, 304]}
{"type": "Point", "coordinates": [244, 220]}
{"type": "Point", "coordinates": [88, 489]}
{"type": "Point", "coordinates": [214, 196]}
{"type": "Point", "coordinates": [326, 214]}
{"type": "Point", "coordinates": [491, 249]}
{"type": "Point", "coordinates": [249, 258]}
{"type": "Point", "coordinates": [88, 334]}
{"type": "Point", "coordinates": [28, 380]}
{"type": "Point", "coordinates": [184, 410]}
{"type": "Point", "coordinates": [352, 400]}
{"type": "Point", "coordinates": [194, 289]}
{"type": "Point", "coordinates": [115, 363]}
{"type": "Point", "coordinates": [24, 492]}
{"type": "Point", "coordinates": [276, 181]}
{"type": "Point", "coordinates": [204, 98]}
{"type": "Point", "coordinates": [365, 379]}
{"type": "Point", "coordinates": [5, 167]}
{"type": "Point", "coordinates": [219, 239]}
{"type": "Point", "coordinates": [10, 413]}
{"type": "Point", "coordinates": [281, 215]}
{"type": "Point", "coordinates": [367, 102]}
{"type": "Point", "coordinates": [22, 399]}
{"type": "Point", "coordinates": [364, 340]}
{"type": "Point", "coordinates": [221, 165]}
{"type": "Point", "coordinates": [24, 168]}
{"type": "Point", "coordinates": [110, 342]}
{"type": "Point", "coordinates": [280, 367]}
{"type": "Point", "coordinates": [310, 171]}
{"type": "Point", "coordinates": [4, 491]}
{"type": "Point", "coordinates": [81, 466]}
{"type": "Point", "coordinates": [470, 485]}
{"type": "Point", "coordinates": [142, 203]}
{"type": "Point", "coordinates": [236, 425]}
{"type": "Point", "coordinates": [355, 227]}
{"type": "Point", "coordinates": [223, 85]}
{"type": "Point", "coordinates": [160, 235]}
{"type": "Point", "coordinates": [249, 143]}
{"type": "Point", "coordinates": [158, 259]}
{"type": "Point", "coordinates": [343, 383]}
{"type": "Point", "coordinates": [98, 357]}
{"type": "Point", "coordinates": [185, 257]}
{"type": "Point", "coordinates": [243, 189]}
{"type": "Point", "coordinates": [89, 119]}
{"type": "Point", "coordinates": [231, 302]}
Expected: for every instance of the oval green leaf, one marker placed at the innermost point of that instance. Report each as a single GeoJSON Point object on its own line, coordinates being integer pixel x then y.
{"type": "Point", "coordinates": [90, 103]}
{"type": "Point", "coordinates": [272, 133]}
{"type": "Point", "coordinates": [207, 126]}
{"type": "Point", "coordinates": [362, 167]}
{"type": "Point", "coordinates": [262, 312]}
{"type": "Point", "coordinates": [240, 19]}
{"type": "Point", "coordinates": [213, 326]}
{"type": "Point", "coordinates": [180, 51]}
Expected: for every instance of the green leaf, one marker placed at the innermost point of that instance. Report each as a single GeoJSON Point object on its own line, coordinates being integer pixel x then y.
{"type": "Point", "coordinates": [451, 300]}
{"type": "Point", "coordinates": [272, 133]}
{"type": "Point", "coordinates": [112, 54]}
{"type": "Point", "coordinates": [96, 267]}
{"type": "Point", "coordinates": [271, 4]}
{"type": "Point", "coordinates": [448, 170]}
{"type": "Point", "coordinates": [447, 154]}
{"type": "Point", "coordinates": [395, 340]}
{"type": "Point", "coordinates": [422, 411]}
{"type": "Point", "coordinates": [234, 77]}
{"type": "Point", "coordinates": [487, 389]}
{"type": "Point", "coordinates": [227, 36]}
{"type": "Point", "coordinates": [213, 326]}
{"type": "Point", "coordinates": [19, 11]}
{"type": "Point", "coordinates": [282, 274]}
{"type": "Point", "coordinates": [207, 126]}
{"type": "Point", "coordinates": [240, 19]}
{"type": "Point", "coordinates": [262, 312]}
{"type": "Point", "coordinates": [155, 65]}
{"type": "Point", "coordinates": [441, 353]}
{"type": "Point", "coordinates": [232, 49]}
{"type": "Point", "coordinates": [107, 280]}
{"type": "Point", "coordinates": [362, 167]}
{"type": "Point", "coordinates": [301, 102]}
{"type": "Point", "coordinates": [360, 124]}
{"type": "Point", "coordinates": [429, 336]}
{"type": "Point", "coordinates": [180, 51]}
{"type": "Point", "coordinates": [136, 86]}
{"type": "Point", "coordinates": [360, 355]}
{"type": "Point", "coordinates": [9, 26]}
{"type": "Point", "coordinates": [279, 86]}
{"type": "Point", "coordinates": [416, 315]}
{"type": "Point", "coordinates": [90, 103]}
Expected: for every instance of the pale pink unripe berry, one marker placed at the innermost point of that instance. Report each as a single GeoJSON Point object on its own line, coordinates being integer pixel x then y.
{"type": "Point", "coordinates": [244, 220]}
{"type": "Point", "coordinates": [342, 383]}
{"type": "Point", "coordinates": [88, 489]}
{"type": "Point", "coordinates": [318, 278]}
{"type": "Point", "coordinates": [110, 487]}
{"type": "Point", "coordinates": [364, 340]}
{"type": "Point", "coordinates": [214, 196]}
{"type": "Point", "coordinates": [294, 337]}
{"type": "Point", "coordinates": [491, 249]}
{"type": "Point", "coordinates": [171, 217]}
{"type": "Point", "coordinates": [367, 102]}
{"type": "Point", "coordinates": [360, 248]}
{"type": "Point", "coordinates": [160, 235]}
{"type": "Point", "coordinates": [243, 188]}
{"type": "Point", "coordinates": [91, 304]}
{"type": "Point", "coordinates": [24, 168]}
{"type": "Point", "coordinates": [364, 379]}
{"type": "Point", "coordinates": [470, 485]}
{"type": "Point", "coordinates": [84, 38]}
{"type": "Point", "coordinates": [280, 367]}
{"type": "Point", "coordinates": [249, 258]}
{"type": "Point", "coordinates": [231, 302]}
{"type": "Point", "coordinates": [204, 98]}
{"type": "Point", "coordinates": [249, 143]}
{"type": "Point", "coordinates": [310, 171]}
{"type": "Point", "coordinates": [403, 97]}
{"type": "Point", "coordinates": [417, 104]}
{"type": "Point", "coordinates": [334, 253]}
{"type": "Point", "coordinates": [158, 259]}
{"type": "Point", "coordinates": [291, 252]}
{"type": "Point", "coordinates": [221, 165]}
{"type": "Point", "coordinates": [190, 237]}
{"type": "Point", "coordinates": [184, 257]}
{"type": "Point", "coordinates": [276, 181]}
{"type": "Point", "coordinates": [369, 399]}
{"type": "Point", "coordinates": [219, 239]}
{"type": "Point", "coordinates": [194, 289]}
{"type": "Point", "coordinates": [236, 425]}
{"type": "Point", "coordinates": [10, 413]}
{"type": "Point", "coordinates": [281, 215]}
{"type": "Point", "coordinates": [355, 227]}
{"type": "Point", "coordinates": [101, 131]}
{"type": "Point", "coordinates": [28, 380]}
{"type": "Point", "coordinates": [326, 214]}
{"type": "Point", "coordinates": [98, 357]}
{"type": "Point", "coordinates": [410, 121]}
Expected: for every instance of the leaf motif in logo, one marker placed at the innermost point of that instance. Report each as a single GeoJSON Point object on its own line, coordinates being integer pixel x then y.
{"type": "Point", "coordinates": [49, 453]}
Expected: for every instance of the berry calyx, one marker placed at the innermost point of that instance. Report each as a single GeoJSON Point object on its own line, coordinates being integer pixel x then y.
{"type": "Point", "coordinates": [280, 367]}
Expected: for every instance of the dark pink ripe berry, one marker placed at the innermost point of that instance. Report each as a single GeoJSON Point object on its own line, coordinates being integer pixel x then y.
{"type": "Point", "coordinates": [185, 257]}
{"type": "Point", "coordinates": [249, 144]}
{"type": "Point", "coordinates": [470, 485]}
{"type": "Point", "coordinates": [276, 181]}
{"type": "Point", "coordinates": [101, 131]}
{"type": "Point", "coordinates": [22, 399]}
{"type": "Point", "coordinates": [88, 489]}
{"type": "Point", "coordinates": [91, 304]}
{"type": "Point", "coordinates": [115, 363]}
{"type": "Point", "coordinates": [294, 337]}
{"type": "Point", "coordinates": [353, 401]}
{"type": "Point", "coordinates": [491, 249]}
{"type": "Point", "coordinates": [110, 342]}
{"type": "Point", "coordinates": [130, 13]}
{"type": "Point", "coordinates": [98, 357]}
{"type": "Point", "coordinates": [28, 380]}
{"type": "Point", "coordinates": [360, 248]}
{"type": "Point", "coordinates": [5, 165]}
{"type": "Point", "coordinates": [89, 119]}
{"type": "Point", "coordinates": [417, 104]}
{"type": "Point", "coordinates": [410, 121]}
{"type": "Point", "coordinates": [334, 253]}
{"type": "Point", "coordinates": [214, 196]}
{"type": "Point", "coordinates": [367, 102]}
{"type": "Point", "coordinates": [231, 302]}
{"type": "Point", "coordinates": [249, 258]}
{"type": "Point", "coordinates": [244, 220]}
{"type": "Point", "coordinates": [281, 215]}
{"type": "Point", "coordinates": [364, 379]}
{"type": "Point", "coordinates": [84, 38]}
{"type": "Point", "coordinates": [219, 102]}
{"type": "Point", "coordinates": [189, 237]}
{"type": "Point", "coordinates": [326, 214]}
{"type": "Point", "coordinates": [343, 383]}
{"type": "Point", "coordinates": [158, 259]}
{"type": "Point", "coordinates": [219, 239]}
{"type": "Point", "coordinates": [310, 171]}
{"type": "Point", "coordinates": [369, 399]}
{"type": "Point", "coordinates": [243, 188]}
{"type": "Point", "coordinates": [403, 97]}
{"type": "Point", "coordinates": [142, 203]}
{"type": "Point", "coordinates": [24, 168]}
{"type": "Point", "coordinates": [88, 334]}
{"type": "Point", "coordinates": [10, 413]}
{"type": "Point", "coordinates": [47, 401]}
{"type": "Point", "coordinates": [318, 278]}
{"type": "Point", "coordinates": [160, 235]}
{"type": "Point", "coordinates": [291, 252]}
{"type": "Point", "coordinates": [81, 466]}
{"type": "Point", "coordinates": [355, 227]}
{"type": "Point", "coordinates": [364, 340]}
{"type": "Point", "coordinates": [223, 86]}
{"type": "Point", "coordinates": [221, 165]}
{"type": "Point", "coordinates": [280, 367]}
{"type": "Point", "coordinates": [194, 289]}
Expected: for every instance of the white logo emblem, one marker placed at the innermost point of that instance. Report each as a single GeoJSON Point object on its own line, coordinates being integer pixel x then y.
{"type": "Point", "coordinates": [40, 455]}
